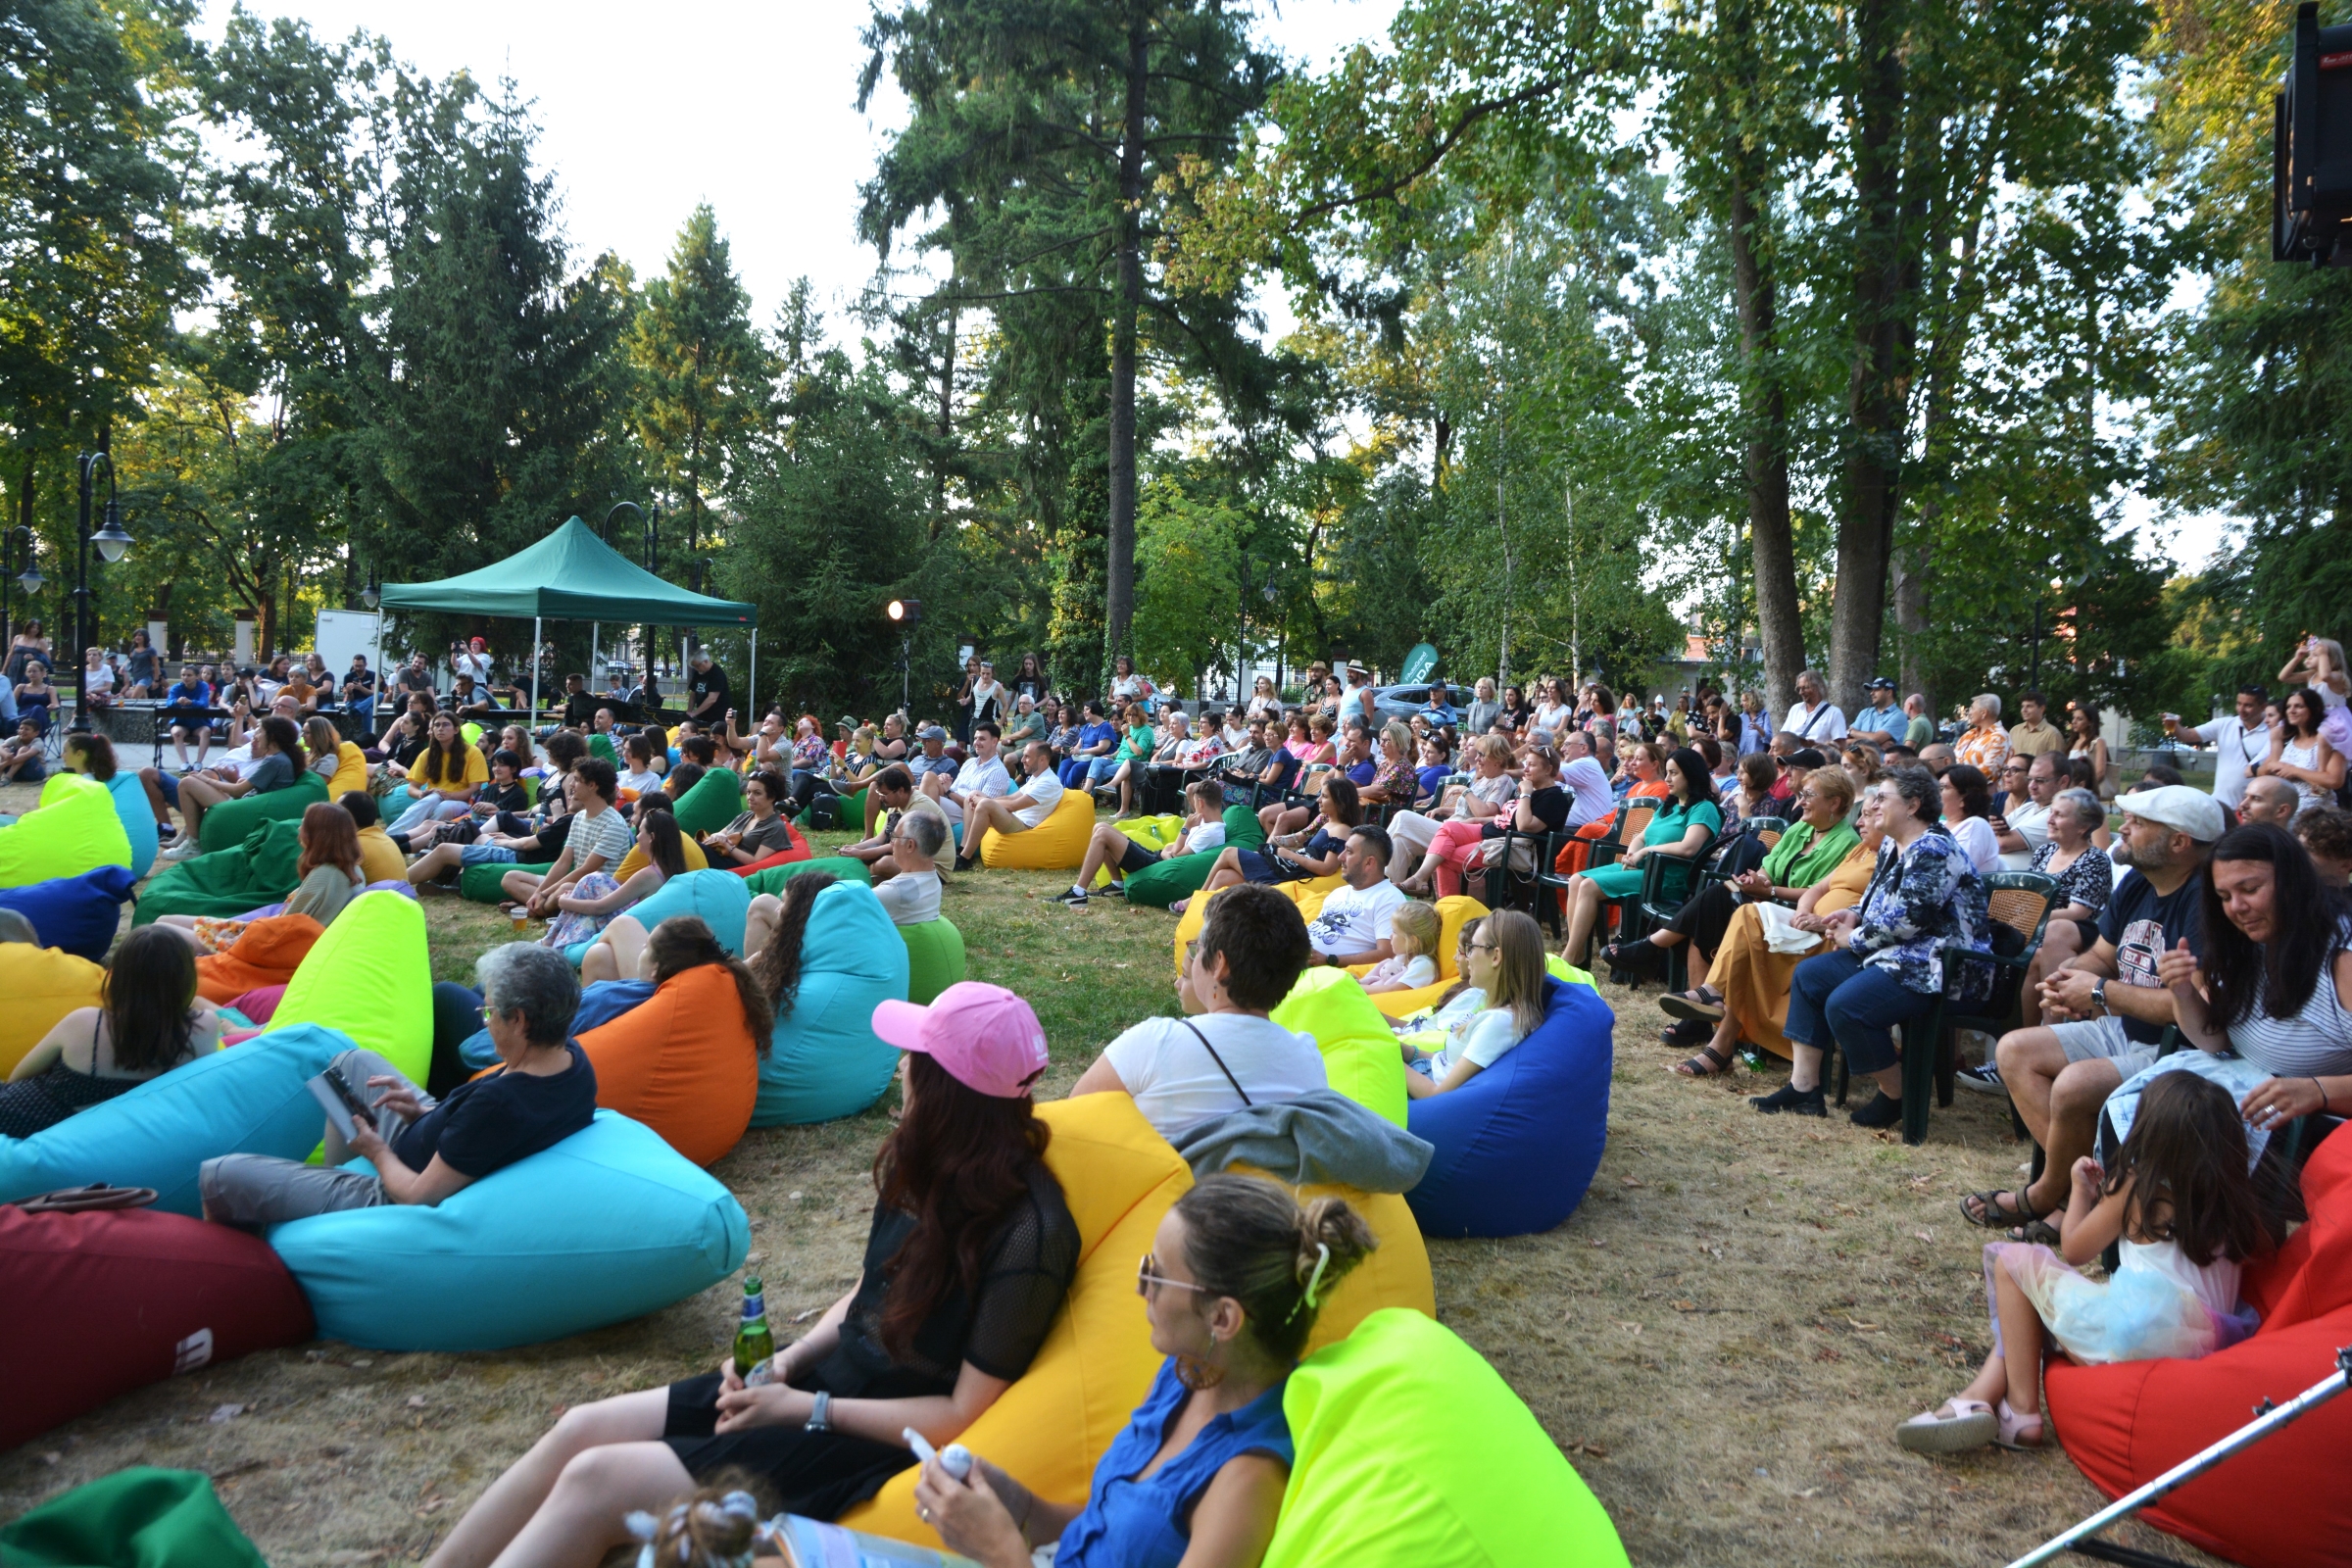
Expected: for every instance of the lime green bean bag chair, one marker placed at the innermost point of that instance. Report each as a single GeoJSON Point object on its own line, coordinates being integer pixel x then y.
{"type": "Point", "coordinates": [230, 881]}
{"type": "Point", "coordinates": [715, 800]}
{"type": "Point", "coordinates": [846, 867]}
{"type": "Point", "coordinates": [1154, 833]}
{"type": "Point", "coordinates": [1413, 1453]}
{"type": "Point", "coordinates": [934, 958]}
{"type": "Point", "coordinates": [75, 829]}
{"type": "Point", "coordinates": [1163, 884]}
{"type": "Point", "coordinates": [1360, 1054]}
{"type": "Point", "coordinates": [370, 978]}
{"type": "Point", "coordinates": [137, 1518]}
{"type": "Point", "coordinates": [233, 822]}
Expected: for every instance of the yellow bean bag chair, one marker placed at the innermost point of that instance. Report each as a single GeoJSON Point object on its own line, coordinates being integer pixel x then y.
{"type": "Point", "coordinates": [1154, 833]}
{"type": "Point", "coordinates": [370, 978]}
{"type": "Point", "coordinates": [351, 771]}
{"type": "Point", "coordinates": [1360, 1049]}
{"type": "Point", "coordinates": [43, 985]}
{"type": "Point", "coordinates": [76, 828]}
{"type": "Point", "coordinates": [1058, 844]}
{"type": "Point", "coordinates": [1413, 1453]}
{"type": "Point", "coordinates": [1307, 895]}
{"type": "Point", "coordinates": [636, 859]}
{"type": "Point", "coordinates": [1452, 914]}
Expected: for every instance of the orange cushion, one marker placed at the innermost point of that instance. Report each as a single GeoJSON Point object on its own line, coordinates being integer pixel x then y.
{"type": "Point", "coordinates": [266, 955]}
{"type": "Point", "coordinates": [682, 1062]}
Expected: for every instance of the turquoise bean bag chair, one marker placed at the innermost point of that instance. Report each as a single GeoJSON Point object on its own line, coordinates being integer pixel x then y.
{"type": "Point", "coordinates": [232, 823]}
{"type": "Point", "coordinates": [79, 913]}
{"type": "Point", "coordinates": [73, 829]}
{"type": "Point", "coordinates": [247, 1099]}
{"type": "Point", "coordinates": [229, 882]}
{"type": "Point", "coordinates": [720, 899]}
{"type": "Point", "coordinates": [609, 1224]}
{"type": "Point", "coordinates": [715, 800]}
{"type": "Point", "coordinates": [138, 815]}
{"type": "Point", "coordinates": [846, 867]}
{"type": "Point", "coordinates": [824, 1059]}
{"type": "Point", "coordinates": [934, 958]}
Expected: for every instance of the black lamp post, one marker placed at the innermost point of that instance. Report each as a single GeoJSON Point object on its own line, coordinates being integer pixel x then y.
{"type": "Point", "coordinates": [111, 542]}
{"type": "Point", "coordinates": [905, 614]}
{"type": "Point", "coordinates": [373, 594]}
{"type": "Point", "coordinates": [29, 578]}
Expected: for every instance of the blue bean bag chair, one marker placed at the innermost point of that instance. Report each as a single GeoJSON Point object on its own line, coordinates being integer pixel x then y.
{"type": "Point", "coordinates": [1518, 1145]}
{"type": "Point", "coordinates": [609, 1224]}
{"type": "Point", "coordinates": [247, 1099]}
{"type": "Point", "coordinates": [720, 899]}
{"type": "Point", "coordinates": [138, 820]}
{"type": "Point", "coordinates": [79, 913]}
{"type": "Point", "coordinates": [599, 1003]}
{"type": "Point", "coordinates": [824, 1059]}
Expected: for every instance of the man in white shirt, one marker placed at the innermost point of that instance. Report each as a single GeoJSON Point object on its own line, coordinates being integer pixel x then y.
{"type": "Point", "coordinates": [1813, 718]}
{"type": "Point", "coordinates": [1586, 780]}
{"type": "Point", "coordinates": [2239, 742]}
{"type": "Point", "coordinates": [1883, 716]}
{"type": "Point", "coordinates": [1352, 926]}
{"type": "Point", "coordinates": [2024, 825]}
{"type": "Point", "coordinates": [1010, 814]}
{"type": "Point", "coordinates": [911, 893]}
{"type": "Point", "coordinates": [981, 776]}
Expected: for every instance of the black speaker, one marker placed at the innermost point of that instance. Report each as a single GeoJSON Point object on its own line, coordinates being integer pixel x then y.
{"type": "Point", "coordinates": [2311, 157]}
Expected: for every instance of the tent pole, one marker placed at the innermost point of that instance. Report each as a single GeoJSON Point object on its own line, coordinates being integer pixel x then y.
{"type": "Point", "coordinates": [534, 718]}
{"type": "Point", "coordinates": [595, 633]}
{"type": "Point", "coordinates": [751, 692]}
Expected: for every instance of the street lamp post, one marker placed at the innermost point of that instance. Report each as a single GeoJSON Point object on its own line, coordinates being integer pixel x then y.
{"type": "Point", "coordinates": [111, 542]}
{"type": "Point", "coordinates": [905, 613]}
{"type": "Point", "coordinates": [29, 578]}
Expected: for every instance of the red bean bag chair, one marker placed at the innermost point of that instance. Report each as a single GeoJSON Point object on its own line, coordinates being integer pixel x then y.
{"type": "Point", "coordinates": [683, 1062]}
{"type": "Point", "coordinates": [2281, 1503]}
{"type": "Point", "coordinates": [266, 955]}
{"type": "Point", "coordinates": [106, 1302]}
{"type": "Point", "coordinates": [799, 851]}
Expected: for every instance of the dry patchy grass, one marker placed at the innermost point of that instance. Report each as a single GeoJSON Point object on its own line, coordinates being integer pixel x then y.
{"type": "Point", "coordinates": [1722, 1337]}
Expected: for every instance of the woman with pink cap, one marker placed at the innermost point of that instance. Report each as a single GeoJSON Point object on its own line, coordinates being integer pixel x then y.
{"type": "Point", "coordinates": [970, 1254]}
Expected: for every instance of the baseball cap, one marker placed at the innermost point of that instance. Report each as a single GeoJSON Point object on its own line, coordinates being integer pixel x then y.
{"type": "Point", "coordinates": [1807, 757]}
{"type": "Point", "coordinates": [931, 732]}
{"type": "Point", "coordinates": [986, 1037]}
{"type": "Point", "coordinates": [1880, 684]}
{"type": "Point", "coordinates": [2178, 807]}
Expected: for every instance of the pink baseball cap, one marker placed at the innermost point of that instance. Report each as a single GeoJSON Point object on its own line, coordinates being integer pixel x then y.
{"type": "Point", "coordinates": [986, 1037]}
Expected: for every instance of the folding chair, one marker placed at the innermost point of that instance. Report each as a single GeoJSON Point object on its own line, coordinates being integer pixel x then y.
{"type": "Point", "coordinates": [1509, 885]}
{"type": "Point", "coordinates": [1626, 827]}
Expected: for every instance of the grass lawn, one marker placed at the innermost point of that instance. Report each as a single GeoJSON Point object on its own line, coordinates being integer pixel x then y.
{"type": "Point", "coordinates": [1721, 1337]}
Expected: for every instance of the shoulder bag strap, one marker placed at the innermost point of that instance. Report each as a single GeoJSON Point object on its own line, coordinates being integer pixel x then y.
{"type": "Point", "coordinates": [1219, 1061]}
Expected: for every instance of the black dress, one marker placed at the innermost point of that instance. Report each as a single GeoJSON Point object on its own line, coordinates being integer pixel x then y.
{"type": "Point", "coordinates": [998, 1328]}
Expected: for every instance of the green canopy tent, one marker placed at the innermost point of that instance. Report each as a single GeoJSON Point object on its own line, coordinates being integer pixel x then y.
{"type": "Point", "coordinates": [573, 575]}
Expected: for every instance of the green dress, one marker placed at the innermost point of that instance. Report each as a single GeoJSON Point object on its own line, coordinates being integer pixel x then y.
{"type": "Point", "coordinates": [1621, 881]}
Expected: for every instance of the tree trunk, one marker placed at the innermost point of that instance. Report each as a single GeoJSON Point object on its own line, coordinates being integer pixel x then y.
{"type": "Point", "coordinates": [1875, 394]}
{"type": "Point", "coordinates": [1119, 565]}
{"type": "Point", "coordinates": [1771, 536]}
{"type": "Point", "coordinates": [946, 426]}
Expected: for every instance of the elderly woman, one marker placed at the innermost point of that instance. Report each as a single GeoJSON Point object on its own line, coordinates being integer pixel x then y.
{"type": "Point", "coordinates": [1886, 962]}
{"type": "Point", "coordinates": [2086, 880]}
{"type": "Point", "coordinates": [424, 1149]}
{"type": "Point", "coordinates": [1482, 708]}
{"type": "Point", "coordinates": [1488, 793]}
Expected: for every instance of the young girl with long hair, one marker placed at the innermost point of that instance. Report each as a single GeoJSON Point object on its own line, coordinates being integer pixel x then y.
{"type": "Point", "coordinates": [329, 877]}
{"type": "Point", "coordinates": [1505, 960]}
{"type": "Point", "coordinates": [2301, 755]}
{"type": "Point", "coordinates": [149, 1020]}
{"type": "Point", "coordinates": [585, 908]}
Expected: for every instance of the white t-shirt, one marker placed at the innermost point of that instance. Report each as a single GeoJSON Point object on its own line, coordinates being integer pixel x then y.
{"type": "Point", "coordinates": [1814, 726]}
{"type": "Point", "coordinates": [1976, 836]}
{"type": "Point", "coordinates": [608, 833]}
{"type": "Point", "coordinates": [1355, 920]}
{"type": "Point", "coordinates": [1410, 974]}
{"type": "Point", "coordinates": [1589, 796]}
{"type": "Point", "coordinates": [644, 783]}
{"type": "Point", "coordinates": [2033, 824]}
{"type": "Point", "coordinates": [1176, 1082]}
{"type": "Point", "coordinates": [977, 777]}
{"type": "Point", "coordinates": [1207, 835]}
{"type": "Point", "coordinates": [2236, 750]}
{"type": "Point", "coordinates": [99, 680]}
{"type": "Point", "coordinates": [911, 896]}
{"type": "Point", "coordinates": [1481, 1039]}
{"type": "Point", "coordinates": [1047, 790]}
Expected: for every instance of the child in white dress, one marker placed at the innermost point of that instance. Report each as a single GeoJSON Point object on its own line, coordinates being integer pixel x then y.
{"type": "Point", "coordinates": [1414, 932]}
{"type": "Point", "coordinates": [2187, 1214]}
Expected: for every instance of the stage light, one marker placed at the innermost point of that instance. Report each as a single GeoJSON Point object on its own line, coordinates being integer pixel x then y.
{"type": "Point", "coordinates": [906, 612]}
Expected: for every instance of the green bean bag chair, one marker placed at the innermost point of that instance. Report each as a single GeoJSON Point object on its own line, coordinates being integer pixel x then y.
{"type": "Point", "coordinates": [230, 881]}
{"type": "Point", "coordinates": [1413, 1453]}
{"type": "Point", "coordinates": [233, 822]}
{"type": "Point", "coordinates": [846, 867]}
{"type": "Point", "coordinates": [715, 800]}
{"type": "Point", "coordinates": [75, 829]}
{"type": "Point", "coordinates": [934, 958]}
{"type": "Point", "coordinates": [480, 883]}
{"type": "Point", "coordinates": [601, 746]}
{"type": "Point", "coordinates": [1360, 1049]}
{"type": "Point", "coordinates": [141, 1517]}
{"type": "Point", "coordinates": [370, 978]}
{"type": "Point", "coordinates": [1163, 884]}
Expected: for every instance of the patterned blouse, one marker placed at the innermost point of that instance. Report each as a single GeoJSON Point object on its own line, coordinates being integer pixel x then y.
{"type": "Point", "coordinates": [1919, 900]}
{"type": "Point", "coordinates": [2088, 882]}
{"type": "Point", "coordinates": [1984, 748]}
{"type": "Point", "coordinates": [1402, 784]}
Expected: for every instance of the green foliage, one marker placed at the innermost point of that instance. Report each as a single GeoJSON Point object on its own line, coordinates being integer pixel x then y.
{"type": "Point", "coordinates": [1187, 551]}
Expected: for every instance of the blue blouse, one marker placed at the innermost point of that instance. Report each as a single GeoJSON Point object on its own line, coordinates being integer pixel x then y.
{"type": "Point", "coordinates": [1129, 1523]}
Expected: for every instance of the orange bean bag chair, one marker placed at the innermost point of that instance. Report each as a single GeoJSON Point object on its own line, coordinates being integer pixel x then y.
{"type": "Point", "coordinates": [266, 955]}
{"type": "Point", "coordinates": [682, 1061]}
{"type": "Point", "coordinates": [2281, 1503]}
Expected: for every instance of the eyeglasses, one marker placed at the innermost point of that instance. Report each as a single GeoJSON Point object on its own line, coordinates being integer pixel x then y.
{"type": "Point", "coordinates": [1484, 946]}
{"type": "Point", "coordinates": [1147, 1279]}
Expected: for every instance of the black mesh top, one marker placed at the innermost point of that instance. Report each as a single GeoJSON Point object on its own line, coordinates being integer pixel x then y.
{"type": "Point", "coordinates": [1024, 1274]}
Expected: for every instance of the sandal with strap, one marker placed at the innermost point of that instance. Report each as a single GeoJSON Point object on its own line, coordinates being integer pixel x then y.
{"type": "Point", "coordinates": [2033, 1233]}
{"type": "Point", "coordinates": [1953, 1426]}
{"type": "Point", "coordinates": [1708, 1054]}
{"type": "Point", "coordinates": [1987, 1211]}
{"type": "Point", "coordinates": [2023, 1434]}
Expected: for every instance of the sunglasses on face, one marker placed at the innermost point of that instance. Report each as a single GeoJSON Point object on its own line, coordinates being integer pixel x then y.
{"type": "Point", "coordinates": [1149, 1279]}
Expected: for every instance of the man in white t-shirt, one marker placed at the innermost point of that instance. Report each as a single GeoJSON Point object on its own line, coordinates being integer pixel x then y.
{"type": "Point", "coordinates": [911, 893]}
{"type": "Point", "coordinates": [1584, 779]}
{"type": "Point", "coordinates": [1010, 815]}
{"type": "Point", "coordinates": [1813, 718]}
{"type": "Point", "coordinates": [981, 777]}
{"type": "Point", "coordinates": [2239, 742]}
{"type": "Point", "coordinates": [2023, 824]}
{"type": "Point", "coordinates": [1352, 926]}
{"type": "Point", "coordinates": [1228, 1054]}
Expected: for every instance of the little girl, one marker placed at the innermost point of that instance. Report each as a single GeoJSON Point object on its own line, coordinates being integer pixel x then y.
{"type": "Point", "coordinates": [2189, 1214]}
{"type": "Point", "coordinates": [1413, 932]}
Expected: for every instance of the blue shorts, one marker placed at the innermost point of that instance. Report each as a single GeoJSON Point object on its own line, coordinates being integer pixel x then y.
{"type": "Point", "coordinates": [169, 783]}
{"type": "Point", "coordinates": [485, 855]}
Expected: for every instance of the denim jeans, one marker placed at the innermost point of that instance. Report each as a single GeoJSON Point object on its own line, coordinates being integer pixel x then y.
{"type": "Point", "coordinates": [1833, 996]}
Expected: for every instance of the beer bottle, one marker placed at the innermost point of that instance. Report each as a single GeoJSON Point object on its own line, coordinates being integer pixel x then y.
{"type": "Point", "coordinates": [753, 1343]}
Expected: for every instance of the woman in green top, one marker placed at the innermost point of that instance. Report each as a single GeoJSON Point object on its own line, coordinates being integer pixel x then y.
{"type": "Point", "coordinates": [1137, 748]}
{"type": "Point", "coordinates": [1686, 822]}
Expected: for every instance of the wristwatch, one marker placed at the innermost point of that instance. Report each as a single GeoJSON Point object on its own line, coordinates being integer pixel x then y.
{"type": "Point", "coordinates": [820, 1413]}
{"type": "Point", "coordinates": [2099, 997]}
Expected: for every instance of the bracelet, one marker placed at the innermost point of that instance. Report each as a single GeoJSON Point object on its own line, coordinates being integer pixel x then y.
{"type": "Point", "coordinates": [2323, 1089]}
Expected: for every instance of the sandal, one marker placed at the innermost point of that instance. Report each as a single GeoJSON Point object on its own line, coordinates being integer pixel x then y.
{"type": "Point", "coordinates": [1706, 1054]}
{"type": "Point", "coordinates": [1953, 1426]}
{"type": "Point", "coordinates": [1984, 1209]}
{"type": "Point", "coordinates": [1692, 1005]}
{"type": "Point", "coordinates": [2022, 1434]}
{"type": "Point", "coordinates": [2033, 1233]}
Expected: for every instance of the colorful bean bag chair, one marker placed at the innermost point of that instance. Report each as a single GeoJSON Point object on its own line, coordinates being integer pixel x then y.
{"type": "Point", "coordinates": [934, 958]}
{"type": "Point", "coordinates": [75, 829]}
{"type": "Point", "coordinates": [1058, 844]}
{"type": "Point", "coordinates": [1307, 895]}
{"type": "Point", "coordinates": [609, 1224]}
{"type": "Point", "coordinates": [351, 771]}
{"type": "Point", "coordinates": [1180, 878]}
{"type": "Point", "coordinates": [799, 851]}
{"type": "Point", "coordinates": [41, 985]}
{"type": "Point", "coordinates": [1518, 1145]}
{"type": "Point", "coordinates": [126, 1298]}
{"type": "Point", "coordinates": [714, 800]}
{"type": "Point", "coordinates": [824, 1059]}
{"type": "Point", "coordinates": [260, 1004]}
{"type": "Point", "coordinates": [230, 881]}
{"type": "Point", "coordinates": [266, 955]}
{"type": "Point", "coordinates": [2125, 1424]}
{"type": "Point", "coordinates": [232, 823]}
{"type": "Point", "coordinates": [479, 884]}
{"type": "Point", "coordinates": [1452, 914]}
{"type": "Point", "coordinates": [136, 812]}
{"type": "Point", "coordinates": [1411, 1452]}
{"type": "Point", "coordinates": [601, 746]}
{"type": "Point", "coordinates": [1360, 1054]}
{"type": "Point", "coordinates": [136, 1518]}
{"type": "Point", "coordinates": [1154, 833]}
{"type": "Point", "coordinates": [684, 1063]}
{"type": "Point", "coordinates": [718, 899]}
{"type": "Point", "coordinates": [637, 860]}
{"type": "Point", "coordinates": [79, 913]}
{"type": "Point", "coordinates": [849, 869]}
{"type": "Point", "coordinates": [249, 1100]}
{"type": "Point", "coordinates": [371, 979]}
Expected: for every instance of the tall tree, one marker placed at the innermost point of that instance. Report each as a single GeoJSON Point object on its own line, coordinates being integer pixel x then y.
{"type": "Point", "coordinates": [702, 372]}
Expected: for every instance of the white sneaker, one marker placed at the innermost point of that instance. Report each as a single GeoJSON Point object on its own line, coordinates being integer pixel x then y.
{"type": "Point", "coordinates": [184, 850]}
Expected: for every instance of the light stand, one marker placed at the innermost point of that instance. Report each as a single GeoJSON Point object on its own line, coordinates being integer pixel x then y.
{"type": "Point", "coordinates": [111, 542]}
{"type": "Point", "coordinates": [906, 613]}
{"type": "Point", "coordinates": [29, 578]}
